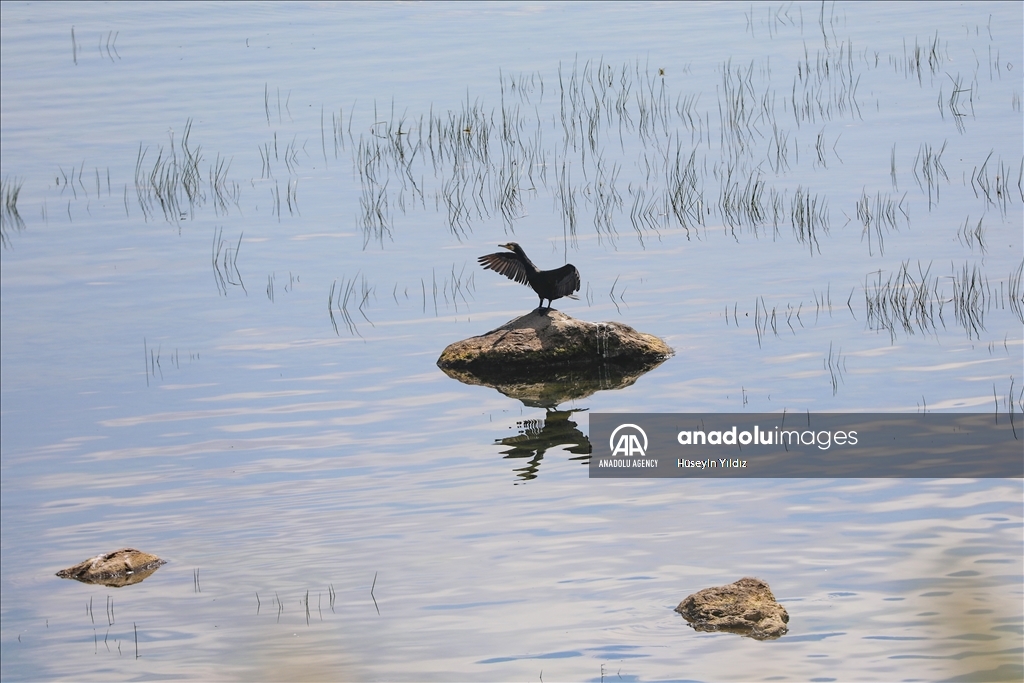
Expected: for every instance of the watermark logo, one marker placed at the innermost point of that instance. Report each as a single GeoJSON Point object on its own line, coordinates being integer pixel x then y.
{"type": "Point", "coordinates": [628, 443]}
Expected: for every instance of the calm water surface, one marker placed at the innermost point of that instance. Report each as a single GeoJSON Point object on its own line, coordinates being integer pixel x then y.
{"type": "Point", "coordinates": [244, 233]}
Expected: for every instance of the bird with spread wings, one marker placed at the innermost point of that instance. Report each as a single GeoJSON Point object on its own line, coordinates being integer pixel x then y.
{"type": "Point", "coordinates": [548, 284]}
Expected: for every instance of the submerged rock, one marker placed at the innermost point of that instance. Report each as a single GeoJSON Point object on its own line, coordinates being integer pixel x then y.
{"type": "Point", "coordinates": [120, 568]}
{"type": "Point", "coordinates": [746, 607]}
{"type": "Point", "coordinates": [535, 346]}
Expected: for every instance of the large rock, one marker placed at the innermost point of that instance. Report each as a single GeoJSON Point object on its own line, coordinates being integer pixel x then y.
{"type": "Point", "coordinates": [746, 607]}
{"type": "Point", "coordinates": [530, 347]}
{"type": "Point", "coordinates": [120, 568]}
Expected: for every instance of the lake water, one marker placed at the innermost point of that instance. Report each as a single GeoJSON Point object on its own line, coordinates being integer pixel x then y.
{"type": "Point", "coordinates": [243, 234]}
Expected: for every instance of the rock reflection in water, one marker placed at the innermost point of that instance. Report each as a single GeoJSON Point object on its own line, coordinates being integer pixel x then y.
{"type": "Point", "coordinates": [547, 388]}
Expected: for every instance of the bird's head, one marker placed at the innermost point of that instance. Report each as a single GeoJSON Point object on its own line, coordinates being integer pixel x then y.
{"type": "Point", "coordinates": [511, 246]}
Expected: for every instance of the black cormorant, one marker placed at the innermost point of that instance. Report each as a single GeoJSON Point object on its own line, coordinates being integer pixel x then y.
{"type": "Point", "coordinates": [549, 284]}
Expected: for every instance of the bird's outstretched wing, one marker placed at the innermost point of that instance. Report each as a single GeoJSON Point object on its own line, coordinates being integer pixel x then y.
{"type": "Point", "coordinates": [567, 280]}
{"type": "Point", "coordinates": [509, 265]}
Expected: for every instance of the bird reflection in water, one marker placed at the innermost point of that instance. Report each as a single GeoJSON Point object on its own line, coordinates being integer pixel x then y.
{"type": "Point", "coordinates": [537, 436]}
